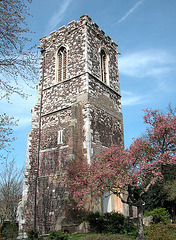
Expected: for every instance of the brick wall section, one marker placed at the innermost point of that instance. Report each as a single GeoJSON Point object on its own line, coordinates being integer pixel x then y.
{"type": "Point", "coordinates": [85, 109]}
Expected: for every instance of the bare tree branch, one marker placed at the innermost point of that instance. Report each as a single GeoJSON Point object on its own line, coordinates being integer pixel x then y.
{"type": "Point", "coordinates": [6, 131]}
{"type": "Point", "coordinates": [10, 190]}
{"type": "Point", "coordinates": [18, 60]}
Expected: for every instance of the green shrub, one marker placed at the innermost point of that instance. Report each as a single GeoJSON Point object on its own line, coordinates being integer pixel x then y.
{"type": "Point", "coordinates": [96, 222]}
{"type": "Point", "coordinates": [32, 234]}
{"type": "Point", "coordinates": [161, 231]}
{"type": "Point", "coordinates": [57, 235]}
{"type": "Point", "coordinates": [9, 230]}
{"type": "Point", "coordinates": [160, 215]}
{"type": "Point", "coordinates": [113, 222]}
{"type": "Point", "coordinates": [130, 230]}
{"type": "Point", "coordinates": [147, 213]}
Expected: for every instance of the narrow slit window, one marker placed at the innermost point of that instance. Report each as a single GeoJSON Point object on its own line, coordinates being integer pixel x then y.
{"type": "Point", "coordinates": [104, 67]}
{"type": "Point", "coordinates": [60, 137]}
{"type": "Point", "coordinates": [61, 64]}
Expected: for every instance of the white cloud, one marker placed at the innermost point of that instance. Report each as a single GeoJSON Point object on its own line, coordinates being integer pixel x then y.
{"type": "Point", "coordinates": [154, 67]}
{"type": "Point", "coordinates": [58, 16]}
{"type": "Point", "coordinates": [130, 11]}
{"type": "Point", "coordinates": [130, 99]}
{"type": "Point", "coordinates": [153, 63]}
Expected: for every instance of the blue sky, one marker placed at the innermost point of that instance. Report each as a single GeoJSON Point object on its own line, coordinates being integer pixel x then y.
{"type": "Point", "coordinates": [146, 36]}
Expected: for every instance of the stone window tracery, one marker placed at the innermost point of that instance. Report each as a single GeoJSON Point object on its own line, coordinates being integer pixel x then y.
{"type": "Point", "coordinates": [61, 64]}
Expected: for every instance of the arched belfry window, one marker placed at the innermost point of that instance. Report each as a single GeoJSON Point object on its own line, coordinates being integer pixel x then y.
{"type": "Point", "coordinates": [61, 64]}
{"type": "Point", "coordinates": [104, 67]}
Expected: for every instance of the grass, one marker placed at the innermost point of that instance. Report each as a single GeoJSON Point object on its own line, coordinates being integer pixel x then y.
{"type": "Point", "coordinates": [77, 236]}
{"type": "Point", "coordinates": [91, 236]}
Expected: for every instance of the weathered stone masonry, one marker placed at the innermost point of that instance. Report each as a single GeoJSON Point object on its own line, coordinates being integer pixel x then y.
{"type": "Point", "coordinates": [79, 117]}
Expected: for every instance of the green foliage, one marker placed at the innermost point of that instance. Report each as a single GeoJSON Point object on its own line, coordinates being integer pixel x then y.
{"type": "Point", "coordinates": [130, 231]}
{"type": "Point", "coordinates": [159, 215]}
{"type": "Point", "coordinates": [32, 234]}
{"type": "Point", "coordinates": [147, 213]}
{"type": "Point", "coordinates": [96, 222]}
{"type": "Point", "coordinates": [170, 190]}
{"type": "Point", "coordinates": [161, 231]}
{"type": "Point", "coordinates": [113, 222]}
{"type": "Point", "coordinates": [162, 194]}
{"type": "Point", "coordinates": [57, 235]}
{"type": "Point", "coordinates": [9, 230]}
{"type": "Point", "coordinates": [155, 197]}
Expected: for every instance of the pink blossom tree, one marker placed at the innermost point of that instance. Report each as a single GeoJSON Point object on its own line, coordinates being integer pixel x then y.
{"type": "Point", "coordinates": [133, 170]}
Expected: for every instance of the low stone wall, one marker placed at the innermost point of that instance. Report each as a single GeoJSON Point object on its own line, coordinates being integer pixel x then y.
{"type": "Point", "coordinates": [147, 221]}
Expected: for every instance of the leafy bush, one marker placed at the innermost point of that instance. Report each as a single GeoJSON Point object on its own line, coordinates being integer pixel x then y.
{"type": "Point", "coordinates": [32, 234]}
{"type": "Point", "coordinates": [9, 230]}
{"type": "Point", "coordinates": [147, 213]}
{"type": "Point", "coordinates": [113, 222]}
{"type": "Point", "coordinates": [96, 222]}
{"type": "Point", "coordinates": [160, 231]}
{"type": "Point", "coordinates": [160, 215]}
{"type": "Point", "coordinates": [57, 235]}
{"type": "Point", "coordinates": [130, 230]}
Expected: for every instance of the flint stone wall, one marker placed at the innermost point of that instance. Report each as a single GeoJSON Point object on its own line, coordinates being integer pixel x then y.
{"type": "Point", "coordinates": [87, 111]}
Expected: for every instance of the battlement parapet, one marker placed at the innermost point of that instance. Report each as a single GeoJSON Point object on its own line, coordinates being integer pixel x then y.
{"type": "Point", "coordinates": [83, 20]}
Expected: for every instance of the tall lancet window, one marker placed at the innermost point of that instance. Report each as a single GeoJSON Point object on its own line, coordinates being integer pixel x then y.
{"type": "Point", "coordinates": [104, 66]}
{"type": "Point", "coordinates": [61, 64]}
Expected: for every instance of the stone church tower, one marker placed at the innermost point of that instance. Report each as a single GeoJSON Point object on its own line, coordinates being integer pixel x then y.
{"type": "Point", "coordinates": [78, 114]}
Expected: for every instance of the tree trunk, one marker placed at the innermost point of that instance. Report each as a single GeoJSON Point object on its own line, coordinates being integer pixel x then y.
{"type": "Point", "coordinates": [140, 222]}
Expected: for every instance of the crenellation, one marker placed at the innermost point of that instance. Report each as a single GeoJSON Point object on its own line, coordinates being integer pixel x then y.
{"type": "Point", "coordinates": [62, 29]}
{"type": "Point", "coordinates": [85, 17]}
{"type": "Point", "coordinates": [42, 39]}
{"type": "Point", "coordinates": [95, 26]}
{"type": "Point", "coordinates": [114, 44]}
{"type": "Point", "coordinates": [72, 24]}
{"type": "Point", "coordinates": [101, 32]}
{"type": "Point", "coordinates": [107, 38]}
{"type": "Point", "coordinates": [53, 33]}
